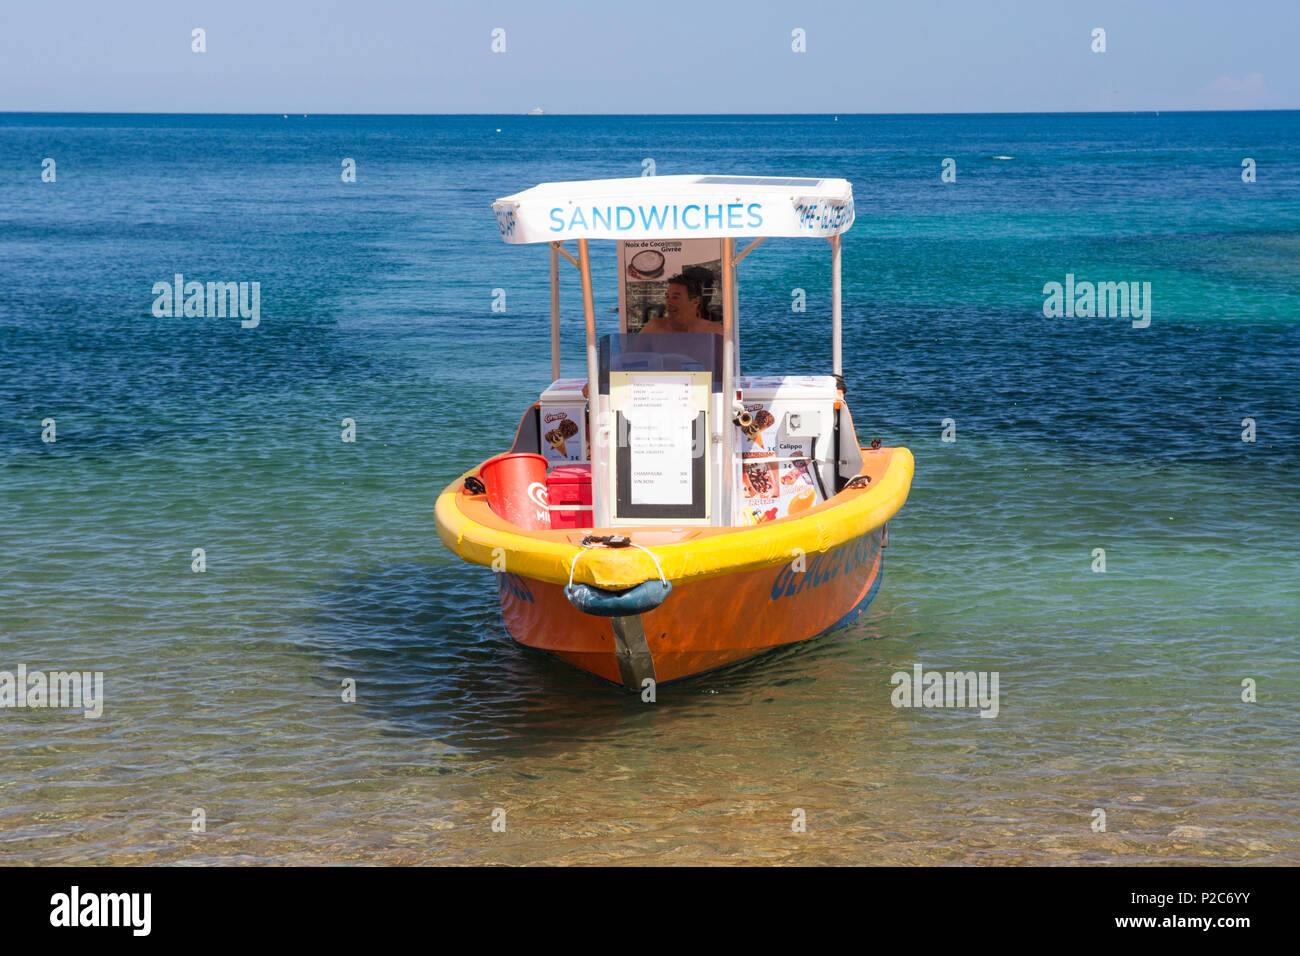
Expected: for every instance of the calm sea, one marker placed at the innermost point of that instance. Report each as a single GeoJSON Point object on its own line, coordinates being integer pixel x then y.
{"type": "Point", "coordinates": [1120, 691]}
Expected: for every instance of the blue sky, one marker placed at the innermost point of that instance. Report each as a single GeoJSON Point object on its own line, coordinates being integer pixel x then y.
{"type": "Point", "coordinates": [664, 56]}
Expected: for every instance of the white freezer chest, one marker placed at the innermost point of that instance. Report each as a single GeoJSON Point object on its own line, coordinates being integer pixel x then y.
{"type": "Point", "coordinates": [563, 422]}
{"type": "Point", "coordinates": [785, 459]}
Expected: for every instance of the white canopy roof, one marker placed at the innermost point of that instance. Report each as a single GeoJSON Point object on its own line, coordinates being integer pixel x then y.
{"type": "Point", "coordinates": [676, 207]}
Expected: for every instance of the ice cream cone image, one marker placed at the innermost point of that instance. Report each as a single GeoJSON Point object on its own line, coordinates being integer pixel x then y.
{"type": "Point", "coordinates": [558, 436]}
{"type": "Point", "coordinates": [754, 430]}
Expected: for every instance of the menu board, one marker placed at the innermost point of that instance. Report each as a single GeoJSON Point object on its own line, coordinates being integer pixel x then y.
{"type": "Point", "coordinates": [660, 416]}
{"type": "Point", "coordinates": [661, 440]}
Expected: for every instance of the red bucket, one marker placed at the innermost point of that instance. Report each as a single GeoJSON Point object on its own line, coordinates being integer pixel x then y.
{"type": "Point", "coordinates": [516, 489]}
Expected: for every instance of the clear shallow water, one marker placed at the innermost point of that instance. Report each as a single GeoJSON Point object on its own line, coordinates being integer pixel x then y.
{"type": "Point", "coordinates": [1118, 690]}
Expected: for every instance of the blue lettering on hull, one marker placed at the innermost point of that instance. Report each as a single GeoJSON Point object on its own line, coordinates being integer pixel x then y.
{"type": "Point", "coordinates": [513, 584]}
{"type": "Point", "coordinates": [826, 566]}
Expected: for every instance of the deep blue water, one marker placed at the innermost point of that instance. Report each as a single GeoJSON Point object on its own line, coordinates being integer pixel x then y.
{"type": "Point", "coordinates": [1122, 689]}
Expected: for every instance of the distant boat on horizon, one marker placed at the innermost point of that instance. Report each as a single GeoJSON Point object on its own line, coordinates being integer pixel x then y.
{"type": "Point", "coordinates": [535, 111]}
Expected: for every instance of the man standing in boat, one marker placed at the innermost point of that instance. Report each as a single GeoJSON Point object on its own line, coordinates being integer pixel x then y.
{"type": "Point", "coordinates": [685, 306]}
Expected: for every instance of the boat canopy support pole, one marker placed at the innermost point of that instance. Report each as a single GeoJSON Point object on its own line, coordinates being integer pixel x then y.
{"type": "Point", "coordinates": [837, 358]}
{"type": "Point", "coordinates": [555, 311]}
{"type": "Point", "coordinates": [749, 248]}
{"type": "Point", "coordinates": [598, 432]}
{"type": "Point", "coordinates": [566, 253]}
{"type": "Point", "coordinates": [728, 374]}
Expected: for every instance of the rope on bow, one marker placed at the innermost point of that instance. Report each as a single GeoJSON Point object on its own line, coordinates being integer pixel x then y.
{"type": "Point", "coordinates": [573, 565]}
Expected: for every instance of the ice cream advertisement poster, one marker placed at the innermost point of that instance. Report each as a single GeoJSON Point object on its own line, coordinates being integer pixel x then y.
{"type": "Point", "coordinates": [797, 490]}
{"type": "Point", "coordinates": [646, 265]}
{"type": "Point", "coordinates": [651, 260]}
{"type": "Point", "coordinates": [758, 434]}
{"type": "Point", "coordinates": [761, 480]}
{"type": "Point", "coordinates": [774, 488]}
{"type": "Point", "coordinates": [774, 470]}
{"type": "Point", "coordinates": [562, 430]}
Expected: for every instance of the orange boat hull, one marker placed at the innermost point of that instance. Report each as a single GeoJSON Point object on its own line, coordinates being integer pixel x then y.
{"type": "Point", "coordinates": [702, 624]}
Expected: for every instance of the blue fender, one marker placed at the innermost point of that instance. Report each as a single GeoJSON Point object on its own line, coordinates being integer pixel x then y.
{"type": "Point", "coordinates": [646, 596]}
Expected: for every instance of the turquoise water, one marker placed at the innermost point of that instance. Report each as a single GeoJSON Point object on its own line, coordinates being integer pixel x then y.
{"type": "Point", "coordinates": [1120, 691]}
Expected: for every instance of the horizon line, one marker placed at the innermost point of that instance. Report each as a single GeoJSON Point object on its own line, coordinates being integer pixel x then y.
{"type": "Point", "coordinates": [283, 113]}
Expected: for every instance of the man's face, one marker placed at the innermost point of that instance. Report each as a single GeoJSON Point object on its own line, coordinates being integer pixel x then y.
{"type": "Point", "coordinates": [681, 308]}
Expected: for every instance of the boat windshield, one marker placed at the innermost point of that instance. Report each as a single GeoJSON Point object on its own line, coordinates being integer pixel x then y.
{"type": "Point", "coordinates": [661, 352]}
